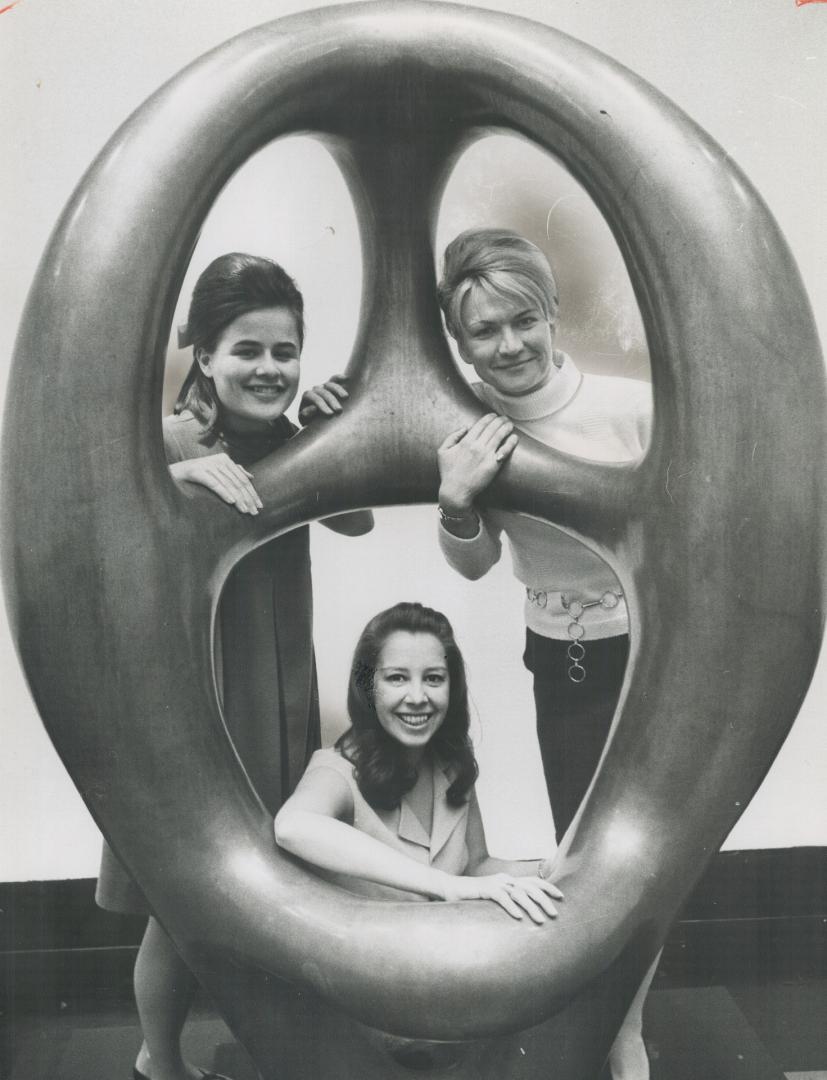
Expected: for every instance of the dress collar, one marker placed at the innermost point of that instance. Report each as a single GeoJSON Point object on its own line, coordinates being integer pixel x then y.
{"type": "Point", "coordinates": [548, 399]}
{"type": "Point", "coordinates": [446, 817]}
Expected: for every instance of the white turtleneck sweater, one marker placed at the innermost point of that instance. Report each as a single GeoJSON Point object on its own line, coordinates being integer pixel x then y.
{"type": "Point", "coordinates": [599, 417]}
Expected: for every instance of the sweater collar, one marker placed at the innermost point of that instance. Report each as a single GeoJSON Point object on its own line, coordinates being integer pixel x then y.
{"type": "Point", "coordinates": [550, 398]}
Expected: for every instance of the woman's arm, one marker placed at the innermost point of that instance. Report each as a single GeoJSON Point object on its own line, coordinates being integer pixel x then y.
{"type": "Point", "coordinates": [314, 825]}
{"type": "Point", "coordinates": [468, 460]}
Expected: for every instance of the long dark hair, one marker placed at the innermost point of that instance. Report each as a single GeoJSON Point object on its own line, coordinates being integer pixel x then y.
{"type": "Point", "coordinates": [231, 286]}
{"type": "Point", "coordinates": [381, 767]}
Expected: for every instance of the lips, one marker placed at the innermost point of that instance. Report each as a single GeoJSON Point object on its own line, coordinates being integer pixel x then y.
{"type": "Point", "coordinates": [515, 365]}
{"type": "Point", "coordinates": [414, 721]}
{"type": "Point", "coordinates": [265, 393]}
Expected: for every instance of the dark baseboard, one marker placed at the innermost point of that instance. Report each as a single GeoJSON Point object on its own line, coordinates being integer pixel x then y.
{"type": "Point", "coordinates": [754, 915]}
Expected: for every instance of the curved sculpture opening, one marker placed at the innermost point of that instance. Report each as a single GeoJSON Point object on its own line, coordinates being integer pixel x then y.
{"type": "Point", "coordinates": [706, 260]}
{"type": "Point", "coordinates": [511, 182]}
{"type": "Point", "coordinates": [289, 201]}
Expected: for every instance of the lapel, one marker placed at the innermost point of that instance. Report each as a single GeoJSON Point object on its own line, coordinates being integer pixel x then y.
{"type": "Point", "coordinates": [446, 817]}
{"type": "Point", "coordinates": [410, 827]}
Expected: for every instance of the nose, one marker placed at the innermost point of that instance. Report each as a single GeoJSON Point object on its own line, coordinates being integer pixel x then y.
{"type": "Point", "coordinates": [267, 365]}
{"type": "Point", "coordinates": [510, 342]}
{"type": "Point", "coordinates": [416, 693]}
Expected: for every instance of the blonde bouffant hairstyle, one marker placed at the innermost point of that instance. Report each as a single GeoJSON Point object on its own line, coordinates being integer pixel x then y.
{"type": "Point", "coordinates": [500, 262]}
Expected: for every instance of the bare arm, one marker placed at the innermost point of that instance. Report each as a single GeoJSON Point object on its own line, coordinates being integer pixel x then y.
{"type": "Point", "coordinates": [314, 825]}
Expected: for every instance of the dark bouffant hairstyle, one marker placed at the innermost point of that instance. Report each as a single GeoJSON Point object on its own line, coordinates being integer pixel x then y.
{"type": "Point", "coordinates": [380, 765]}
{"type": "Point", "coordinates": [231, 286]}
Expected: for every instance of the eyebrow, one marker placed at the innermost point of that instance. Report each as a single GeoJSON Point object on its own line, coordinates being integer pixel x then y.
{"type": "Point", "coordinates": [401, 667]}
{"type": "Point", "coordinates": [257, 341]}
{"type": "Point", "coordinates": [491, 322]}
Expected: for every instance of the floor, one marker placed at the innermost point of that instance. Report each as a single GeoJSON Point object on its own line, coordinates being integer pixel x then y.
{"type": "Point", "coordinates": [737, 1032]}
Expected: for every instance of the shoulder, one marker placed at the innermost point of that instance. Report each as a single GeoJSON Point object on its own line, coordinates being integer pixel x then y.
{"type": "Point", "coordinates": [182, 422]}
{"type": "Point", "coordinates": [330, 758]}
{"type": "Point", "coordinates": [334, 773]}
{"type": "Point", "coordinates": [185, 437]}
{"type": "Point", "coordinates": [617, 394]}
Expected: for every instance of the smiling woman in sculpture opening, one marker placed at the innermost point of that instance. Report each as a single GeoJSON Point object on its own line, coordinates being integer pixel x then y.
{"type": "Point", "coordinates": [390, 811]}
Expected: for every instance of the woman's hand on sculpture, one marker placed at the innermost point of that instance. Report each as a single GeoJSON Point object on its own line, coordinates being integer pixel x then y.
{"type": "Point", "coordinates": [516, 895]}
{"type": "Point", "coordinates": [223, 476]}
{"type": "Point", "coordinates": [470, 458]}
{"type": "Point", "coordinates": [323, 400]}
{"type": "Point", "coordinates": [547, 868]}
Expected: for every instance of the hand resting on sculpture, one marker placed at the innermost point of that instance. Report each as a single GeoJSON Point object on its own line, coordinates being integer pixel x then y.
{"type": "Point", "coordinates": [393, 803]}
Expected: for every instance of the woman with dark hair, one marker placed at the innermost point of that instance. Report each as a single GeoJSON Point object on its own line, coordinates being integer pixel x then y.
{"type": "Point", "coordinates": [390, 811]}
{"type": "Point", "coordinates": [246, 329]}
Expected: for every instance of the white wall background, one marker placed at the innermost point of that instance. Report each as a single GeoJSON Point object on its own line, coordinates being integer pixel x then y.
{"type": "Point", "coordinates": [752, 75]}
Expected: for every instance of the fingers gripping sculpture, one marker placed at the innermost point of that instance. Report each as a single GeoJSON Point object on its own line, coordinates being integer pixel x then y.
{"type": "Point", "coordinates": [725, 628]}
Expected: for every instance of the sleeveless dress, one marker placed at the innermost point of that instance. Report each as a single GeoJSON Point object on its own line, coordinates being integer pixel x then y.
{"type": "Point", "coordinates": [264, 650]}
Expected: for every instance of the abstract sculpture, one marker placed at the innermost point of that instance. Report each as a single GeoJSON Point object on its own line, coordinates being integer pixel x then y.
{"type": "Point", "coordinates": [113, 572]}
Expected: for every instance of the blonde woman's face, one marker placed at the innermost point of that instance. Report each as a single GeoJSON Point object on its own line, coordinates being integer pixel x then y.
{"type": "Point", "coordinates": [509, 342]}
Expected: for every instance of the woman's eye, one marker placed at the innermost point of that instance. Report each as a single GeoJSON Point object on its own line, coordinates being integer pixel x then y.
{"type": "Point", "coordinates": [395, 679]}
{"type": "Point", "coordinates": [245, 354]}
{"type": "Point", "coordinates": [436, 680]}
{"type": "Point", "coordinates": [527, 322]}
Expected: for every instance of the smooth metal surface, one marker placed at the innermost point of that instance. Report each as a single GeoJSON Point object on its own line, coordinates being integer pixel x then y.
{"type": "Point", "coordinates": [113, 572]}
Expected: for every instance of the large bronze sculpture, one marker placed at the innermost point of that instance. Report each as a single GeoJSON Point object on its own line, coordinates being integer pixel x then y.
{"type": "Point", "coordinates": [716, 535]}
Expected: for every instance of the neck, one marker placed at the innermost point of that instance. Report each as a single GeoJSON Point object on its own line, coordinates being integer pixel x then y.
{"type": "Point", "coordinates": [239, 425]}
{"type": "Point", "coordinates": [415, 756]}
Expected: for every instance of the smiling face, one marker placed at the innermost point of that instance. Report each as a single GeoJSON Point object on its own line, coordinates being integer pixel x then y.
{"type": "Point", "coordinates": [508, 340]}
{"type": "Point", "coordinates": [255, 367]}
{"type": "Point", "coordinates": [411, 688]}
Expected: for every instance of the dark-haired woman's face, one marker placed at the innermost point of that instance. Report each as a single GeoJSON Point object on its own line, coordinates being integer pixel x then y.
{"type": "Point", "coordinates": [255, 367]}
{"type": "Point", "coordinates": [412, 688]}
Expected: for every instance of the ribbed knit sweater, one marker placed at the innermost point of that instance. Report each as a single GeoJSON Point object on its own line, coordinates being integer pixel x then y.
{"type": "Point", "coordinates": [599, 417]}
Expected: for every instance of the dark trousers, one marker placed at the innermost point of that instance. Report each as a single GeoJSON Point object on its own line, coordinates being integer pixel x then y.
{"type": "Point", "coordinates": [573, 719]}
